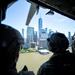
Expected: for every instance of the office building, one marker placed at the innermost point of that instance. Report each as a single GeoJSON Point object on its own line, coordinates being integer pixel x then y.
{"type": "Point", "coordinates": [39, 26]}
{"type": "Point", "coordinates": [22, 32]}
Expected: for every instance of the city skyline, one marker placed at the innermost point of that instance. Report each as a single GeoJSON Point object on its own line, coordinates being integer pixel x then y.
{"type": "Point", "coordinates": [16, 16]}
{"type": "Point", "coordinates": [40, 26]}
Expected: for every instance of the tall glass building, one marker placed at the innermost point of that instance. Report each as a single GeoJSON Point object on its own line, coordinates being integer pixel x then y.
{"type": "Point", "coordinates": [30, 33]}
{"type": "Point", "coordinates": [69, 38]}
{"type": "Point", "coordinates": [39, 26]}
{"type": "Point", "coordinates": [22, 32]}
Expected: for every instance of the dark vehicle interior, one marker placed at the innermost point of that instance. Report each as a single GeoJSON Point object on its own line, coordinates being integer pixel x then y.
{"type": "Point", "coordinates": [66, 8]}
{"type": "Point", "coordinates": [63, 7]}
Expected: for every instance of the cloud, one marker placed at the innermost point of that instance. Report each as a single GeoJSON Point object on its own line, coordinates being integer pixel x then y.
{"type": "Point", "coordinates": [61, 20]}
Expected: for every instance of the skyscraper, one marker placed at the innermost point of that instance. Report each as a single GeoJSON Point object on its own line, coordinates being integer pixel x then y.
{"type": "Point", "coordinates": [73, 37]}
{"type": "Point", "coordinates": [22, 32]}
{"type": "Point", "coordinates": [39, 25]}
{"type": "Point", "coordinates": [30, 33]}
{"type": "Point", "coordinates": [35, 36]}
{"type": "Point", "coordinates": [69, 37]}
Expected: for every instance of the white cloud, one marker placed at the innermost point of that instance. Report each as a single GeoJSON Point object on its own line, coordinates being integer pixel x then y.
{"type": "Point", "coordinates": [61, 20]}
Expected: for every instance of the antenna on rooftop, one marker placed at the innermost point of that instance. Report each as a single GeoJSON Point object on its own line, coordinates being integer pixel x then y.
{"type": "Point", "coordinates": [40, 15]}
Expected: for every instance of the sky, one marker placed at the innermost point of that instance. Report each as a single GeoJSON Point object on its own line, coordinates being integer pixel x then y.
{"type": "Point", "coordinates": [16, 16]}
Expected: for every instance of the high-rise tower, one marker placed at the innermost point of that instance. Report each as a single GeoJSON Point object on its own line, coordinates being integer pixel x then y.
{"type": "Point", "coordinates": [22, 32]}
{"type": "Point", "coordinates": [73, 37]}
{"type": "Point", "coordinates": [39, 25]}
{"type": "Point", "coordinates": [30, 33]}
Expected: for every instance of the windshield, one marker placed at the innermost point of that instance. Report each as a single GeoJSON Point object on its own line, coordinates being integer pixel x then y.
{"type": "Point", "coordinates": [16, 17]}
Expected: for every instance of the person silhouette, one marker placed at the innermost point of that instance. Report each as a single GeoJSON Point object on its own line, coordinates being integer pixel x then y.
{"type": "Point", "coordinates": [10, 42]}
{"type": "Point", "coordinates": [73, 46]}
{"type": "Point", "coordinates": [62, 61]}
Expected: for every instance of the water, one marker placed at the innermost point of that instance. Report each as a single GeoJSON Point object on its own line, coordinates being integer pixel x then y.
{"type": "Point", "coordinates": [32, 60]}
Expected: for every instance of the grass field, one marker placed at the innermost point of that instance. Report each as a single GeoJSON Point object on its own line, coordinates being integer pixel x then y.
{"type": "Point", "coordinates": [32, 60]}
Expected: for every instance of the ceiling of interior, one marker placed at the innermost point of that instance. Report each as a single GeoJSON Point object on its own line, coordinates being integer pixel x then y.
{"type": "Point", "coordinates": [64, 7]}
